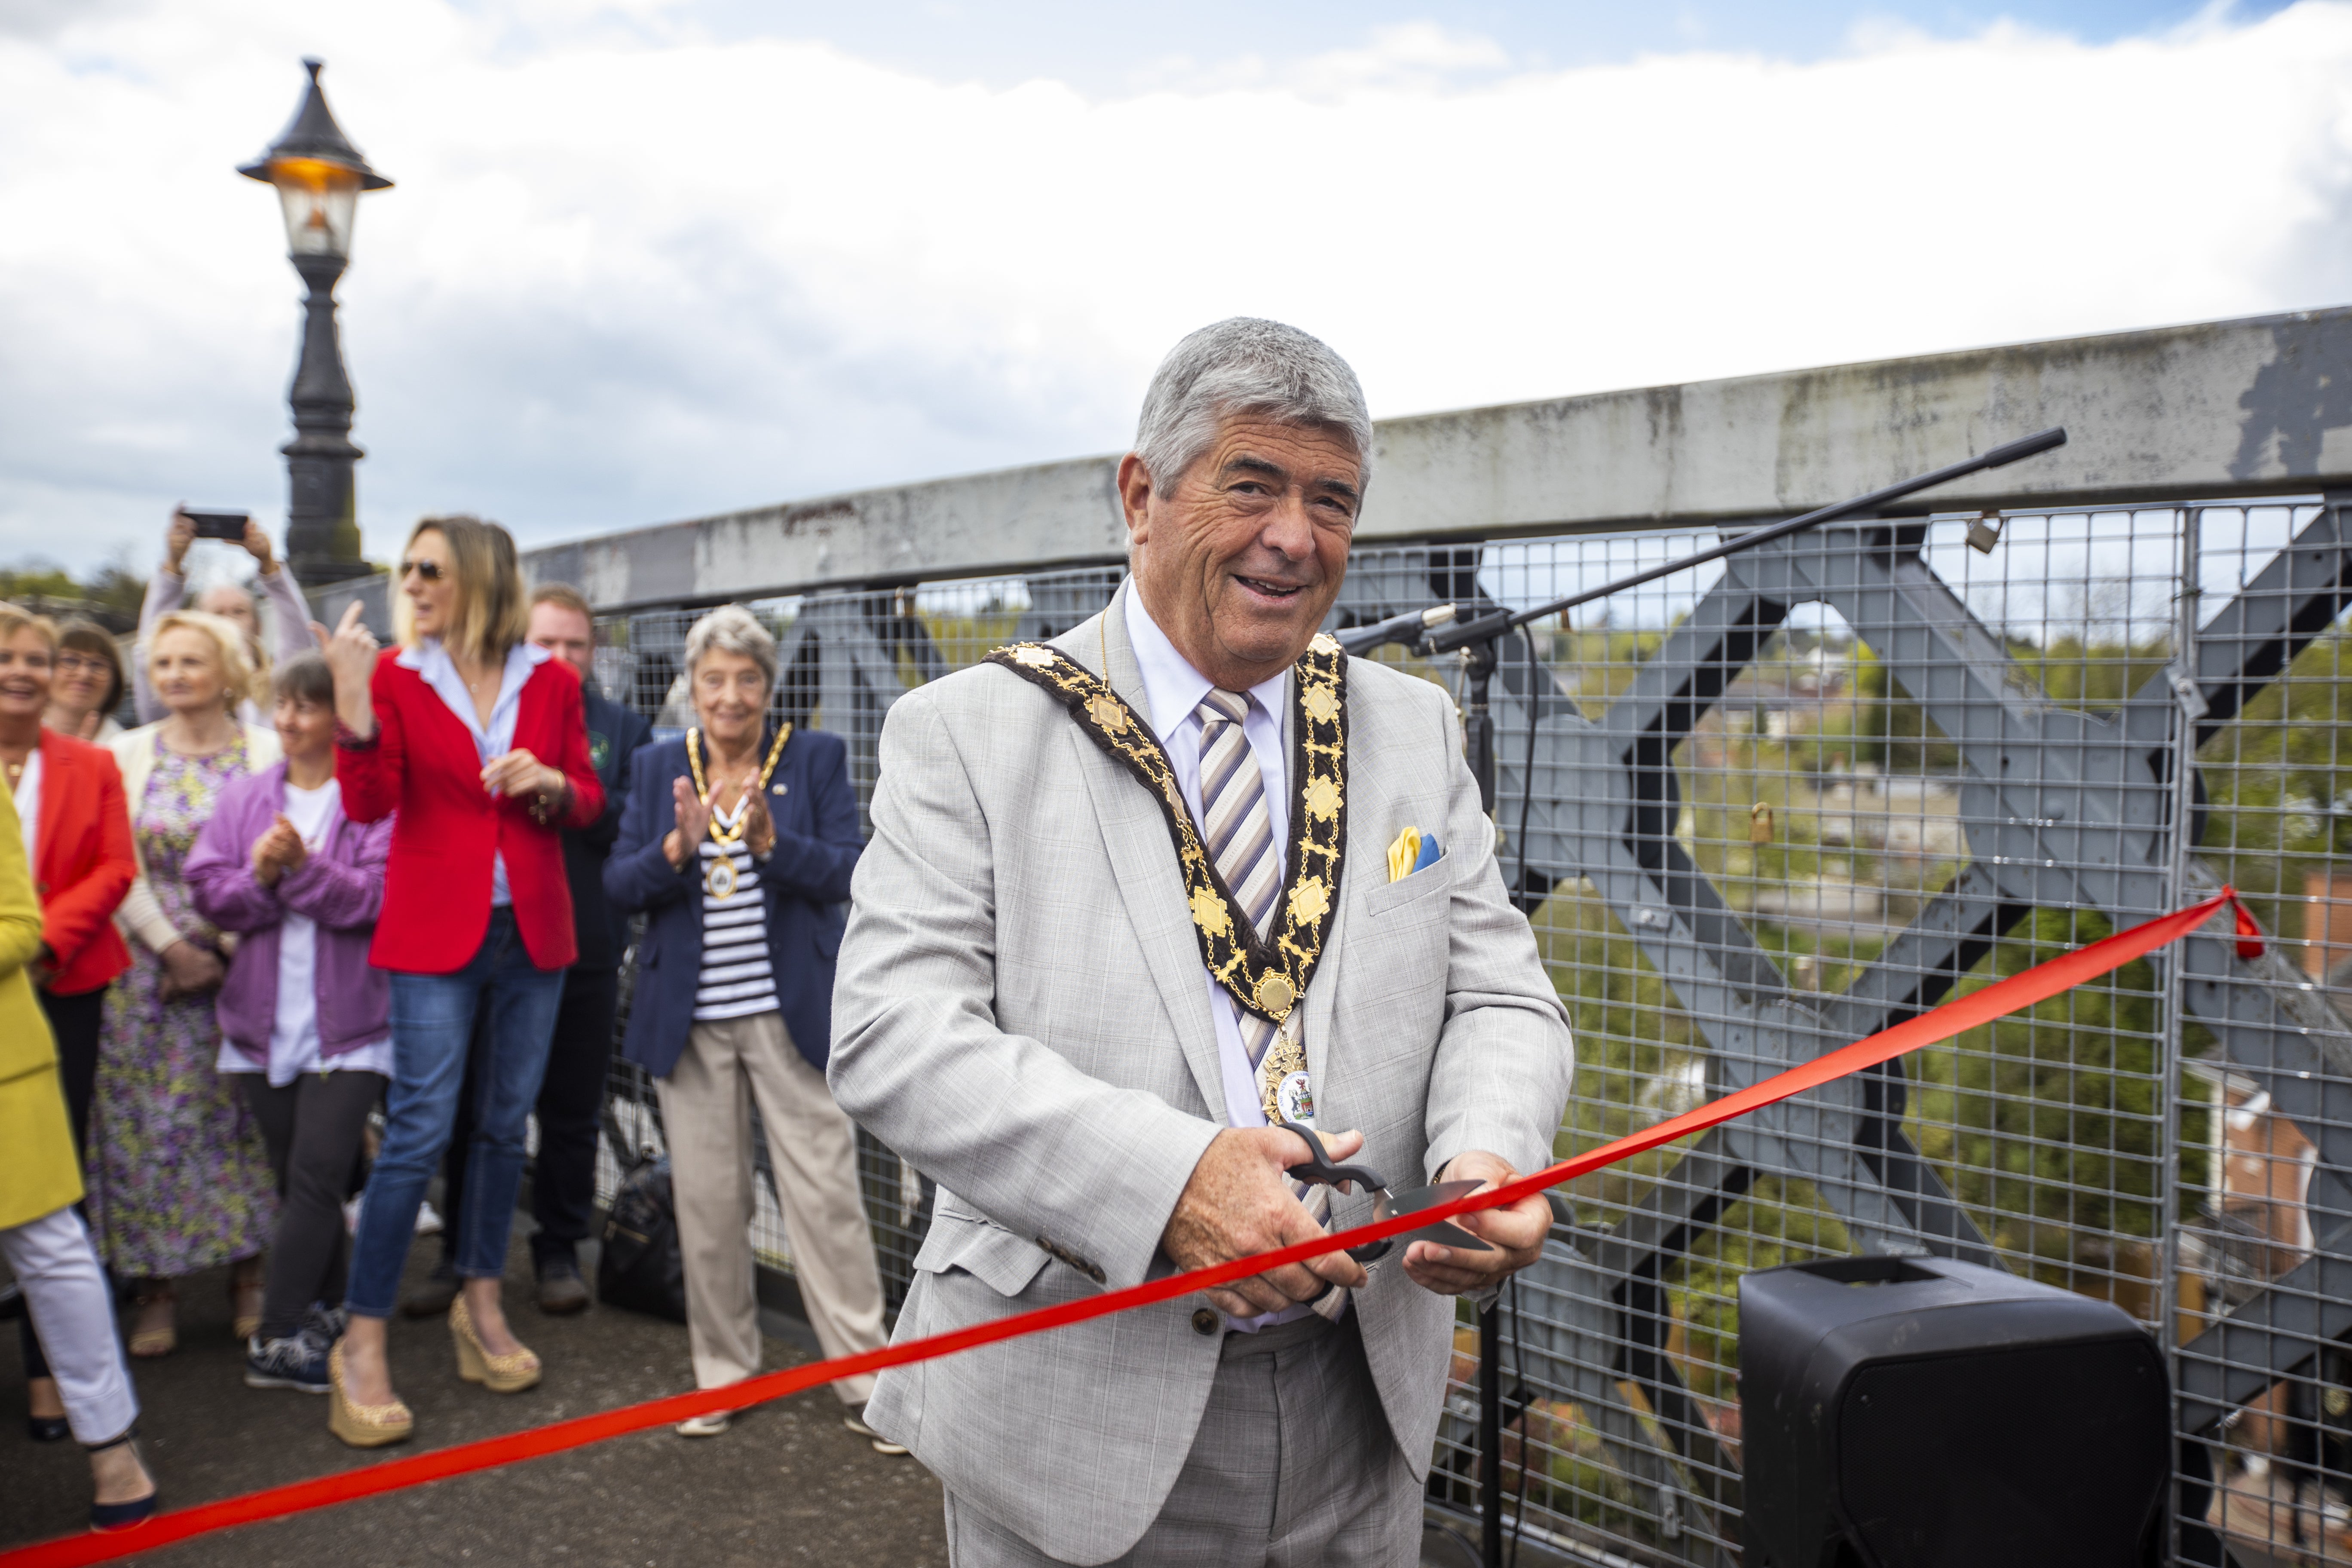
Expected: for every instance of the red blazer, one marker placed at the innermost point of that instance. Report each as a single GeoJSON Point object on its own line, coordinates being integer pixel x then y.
{"type": "Point", "coordinates": [422, 763]}
{"type": "Point", "coordinates": [84, 837]}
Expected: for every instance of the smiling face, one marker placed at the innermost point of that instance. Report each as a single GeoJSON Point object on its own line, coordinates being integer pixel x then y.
{"type": "Point", "coordinates": [306, 729]}
{"type": "Point", "coordinates": [25, 675]}
{"type": "Point", "coordinates": [730, 697]}
{"type": "Point", "coordinates": [428, 576]}
{"type": "Point", "coordinates": [80, 681]}
{"type": "Point", "coordinates": [184, 668]}
{"type": "Point", "coordinates": [1239, 560]}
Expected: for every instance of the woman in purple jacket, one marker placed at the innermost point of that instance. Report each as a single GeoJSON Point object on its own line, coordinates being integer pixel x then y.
{"type": "Point", "coordinates": [302, 1015]}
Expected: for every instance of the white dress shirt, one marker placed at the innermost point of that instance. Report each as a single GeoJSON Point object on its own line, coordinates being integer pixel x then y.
{"type": "Point", "coordinates": [432, 661]}
{"type": "Point", "coordinates": [1174, 691]}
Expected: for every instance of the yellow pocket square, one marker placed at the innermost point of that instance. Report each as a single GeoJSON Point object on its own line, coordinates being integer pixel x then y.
{"type": "Point", "coordinates": [1403, 853]}
{"type": "Point", "coordinates": [1413, 851]}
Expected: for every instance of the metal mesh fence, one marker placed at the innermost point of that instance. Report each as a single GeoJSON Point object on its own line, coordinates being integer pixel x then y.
{"type": "Point", "coordinates": [1763, 807]}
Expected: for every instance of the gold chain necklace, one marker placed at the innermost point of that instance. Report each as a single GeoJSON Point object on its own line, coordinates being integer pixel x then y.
{"type": "Point", "coordinates": [718, 879]}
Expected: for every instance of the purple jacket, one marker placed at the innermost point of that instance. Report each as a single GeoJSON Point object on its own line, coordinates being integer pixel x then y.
{"type": "Point", "coordinates": [340, 885]}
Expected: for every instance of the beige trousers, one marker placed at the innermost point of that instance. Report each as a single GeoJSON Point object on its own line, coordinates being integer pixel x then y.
{"type": "Point", "coordinates": [705, 1105]}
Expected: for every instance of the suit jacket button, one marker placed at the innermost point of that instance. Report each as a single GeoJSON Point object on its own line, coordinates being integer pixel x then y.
{"type": "Point", "coordinates": [1204, 1322]}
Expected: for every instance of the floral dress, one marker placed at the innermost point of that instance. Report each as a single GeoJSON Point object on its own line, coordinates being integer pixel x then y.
{"type": "Point", "coordinates": [179, 1177]}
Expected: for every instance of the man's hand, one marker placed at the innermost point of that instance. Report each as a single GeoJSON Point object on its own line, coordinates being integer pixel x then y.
{"type": "Point", "coordinates": [1238, 1203]}
{"type": "Point", "coordinates": [1515, 1234]}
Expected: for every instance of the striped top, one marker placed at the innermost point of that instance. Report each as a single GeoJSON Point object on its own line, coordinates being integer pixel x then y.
{"type": "Point", "coordinates": [737, 979]}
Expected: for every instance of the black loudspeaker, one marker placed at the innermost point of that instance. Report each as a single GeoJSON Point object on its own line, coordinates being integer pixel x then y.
{"type": "Point", "coordinates": [1915, 1413]}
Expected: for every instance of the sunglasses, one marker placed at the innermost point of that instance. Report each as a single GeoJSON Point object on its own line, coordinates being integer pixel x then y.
{"type": "Point", "coordinates": [431, 570]}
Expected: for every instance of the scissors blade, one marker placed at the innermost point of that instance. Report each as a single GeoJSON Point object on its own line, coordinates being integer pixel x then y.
{"type": "Point", "coordinates": [1441, 1233]}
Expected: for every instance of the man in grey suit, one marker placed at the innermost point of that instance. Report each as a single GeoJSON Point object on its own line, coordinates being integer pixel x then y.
{"type": "Point", "coordinates": [1047, 1002]}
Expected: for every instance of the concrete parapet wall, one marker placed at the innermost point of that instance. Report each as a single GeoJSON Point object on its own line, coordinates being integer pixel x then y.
{"type": "Point", "coordinates": [2246, 408]}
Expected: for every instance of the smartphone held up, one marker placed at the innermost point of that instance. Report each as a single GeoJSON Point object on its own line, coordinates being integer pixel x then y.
{"type": "Point", "coordinates": [228, 525]}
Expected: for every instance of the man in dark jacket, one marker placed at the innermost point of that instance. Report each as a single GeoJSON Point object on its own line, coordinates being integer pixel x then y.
{"type": "Point", "coordinates": [563, 1180]}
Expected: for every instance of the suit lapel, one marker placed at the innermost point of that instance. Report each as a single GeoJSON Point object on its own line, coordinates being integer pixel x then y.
{"type": "Point", "coordinates": [1135, 834]}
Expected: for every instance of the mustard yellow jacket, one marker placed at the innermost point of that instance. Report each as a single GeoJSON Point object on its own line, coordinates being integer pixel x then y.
{"type": "Point", "coordinates": [39, 1173]}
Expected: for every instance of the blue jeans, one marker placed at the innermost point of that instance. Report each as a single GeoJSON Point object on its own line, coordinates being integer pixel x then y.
{"type": "Point", "coordinates": [432, 1023]}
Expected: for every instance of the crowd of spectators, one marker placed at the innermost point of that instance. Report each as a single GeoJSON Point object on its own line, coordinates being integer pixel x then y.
{"type": "Point", "coordinates": [332, 919]}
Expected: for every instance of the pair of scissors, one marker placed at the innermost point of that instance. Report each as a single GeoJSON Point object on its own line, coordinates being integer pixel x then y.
{"type": "Point", "coordinates": [1318, 1168]}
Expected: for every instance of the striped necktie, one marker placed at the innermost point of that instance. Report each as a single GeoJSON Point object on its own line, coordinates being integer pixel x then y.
{"type": "Point", "coordinates": [1239, 829]}
{"type": "Point", "coordinates": [1240, 833]}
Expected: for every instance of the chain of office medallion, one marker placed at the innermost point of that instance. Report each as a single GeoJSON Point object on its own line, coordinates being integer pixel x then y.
{"type": "Point", "coordinates": [1265, 979]}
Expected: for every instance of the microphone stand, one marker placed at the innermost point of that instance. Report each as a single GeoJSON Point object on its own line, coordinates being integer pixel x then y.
{"type": "Point", "coordinates": [1442, 630]}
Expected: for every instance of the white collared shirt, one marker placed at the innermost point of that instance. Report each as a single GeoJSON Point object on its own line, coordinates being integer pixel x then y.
{"type": "Point", "coordinates": [432, 661]}
{"type": "Point", "coordinates": [1174, 689]}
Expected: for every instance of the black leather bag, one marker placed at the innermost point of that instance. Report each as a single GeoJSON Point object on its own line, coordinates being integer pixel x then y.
{"type": "Point", "coordinates": [641, 1268]}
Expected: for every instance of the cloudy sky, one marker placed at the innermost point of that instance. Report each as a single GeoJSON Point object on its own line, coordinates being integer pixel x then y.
{"type": "Point", "coordinates": [648, 259]}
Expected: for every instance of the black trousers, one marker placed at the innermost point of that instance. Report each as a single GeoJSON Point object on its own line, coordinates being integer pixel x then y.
{"type": "Point", "coordinates": [571, 1101]}
{"type": "Point", "coordinates": [74, 1020]}
{"type": "Point", "coordinates": [313, 1128]}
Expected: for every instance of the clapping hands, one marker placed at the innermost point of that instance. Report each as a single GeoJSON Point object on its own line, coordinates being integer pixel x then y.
{"type": "Point", "coordinates": [692, 816]}
{"type": "Point", "coordinates": [279, 850]}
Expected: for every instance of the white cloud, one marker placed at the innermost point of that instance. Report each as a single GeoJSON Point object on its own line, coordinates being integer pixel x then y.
{"type": "Point", "coordinates": [628, 275]}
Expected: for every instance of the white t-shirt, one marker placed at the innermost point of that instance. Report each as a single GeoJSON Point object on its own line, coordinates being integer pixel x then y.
{"type": "Point", "coordinates": [294, 1033]}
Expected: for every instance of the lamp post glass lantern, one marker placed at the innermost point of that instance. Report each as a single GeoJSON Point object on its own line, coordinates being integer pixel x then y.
{"type": "Point", "coordinates": [319, 176]}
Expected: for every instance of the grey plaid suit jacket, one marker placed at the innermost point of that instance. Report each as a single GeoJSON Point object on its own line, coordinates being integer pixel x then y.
{"type": "Point", "coordinates": [1021, 1011]}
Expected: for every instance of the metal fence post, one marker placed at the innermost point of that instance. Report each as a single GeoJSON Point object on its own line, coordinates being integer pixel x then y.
{"type": "Point", "coordinates": [2188, 706]}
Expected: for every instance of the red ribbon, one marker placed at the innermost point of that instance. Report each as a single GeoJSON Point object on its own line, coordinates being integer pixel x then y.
{"type": "Point", "coordinates": [2037, 985]}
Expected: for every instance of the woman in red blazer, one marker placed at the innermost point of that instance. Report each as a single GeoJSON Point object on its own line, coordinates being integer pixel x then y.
{"type": "Point", "coordinates": [475, 738]}
{"type": "Point", "coordinates": [70, 796]}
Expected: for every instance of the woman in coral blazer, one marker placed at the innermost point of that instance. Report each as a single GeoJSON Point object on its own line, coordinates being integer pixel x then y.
{"type": "Point", "coordinates": [475, 738]}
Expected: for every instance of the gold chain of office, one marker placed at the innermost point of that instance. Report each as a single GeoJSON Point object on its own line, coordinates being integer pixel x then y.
{"type": "Point", "coordinates": [718, 879]}
{"type": "Point", "coordinates": [1268, 975]}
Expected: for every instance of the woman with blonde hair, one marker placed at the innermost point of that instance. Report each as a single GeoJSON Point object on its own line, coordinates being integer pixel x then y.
{"type": "Point", "coordinates": [475, 737]}
{"type": "Point", "coordinates": [179, 1175]}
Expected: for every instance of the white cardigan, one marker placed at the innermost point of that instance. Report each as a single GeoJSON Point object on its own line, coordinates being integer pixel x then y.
{"type": "Point", "coordinates": [142, 913]}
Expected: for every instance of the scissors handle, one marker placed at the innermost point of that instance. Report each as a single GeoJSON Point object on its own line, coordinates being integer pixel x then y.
{"type": "Point", "coordinates": [1318, 1167]}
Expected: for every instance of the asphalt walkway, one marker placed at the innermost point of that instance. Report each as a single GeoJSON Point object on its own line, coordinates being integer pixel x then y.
{"type": "Point", "coordinates": [787, 1483]}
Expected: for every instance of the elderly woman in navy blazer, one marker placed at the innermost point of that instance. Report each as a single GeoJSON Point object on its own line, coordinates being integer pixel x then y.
{"type": "Point", "coordinates": [737, 842]}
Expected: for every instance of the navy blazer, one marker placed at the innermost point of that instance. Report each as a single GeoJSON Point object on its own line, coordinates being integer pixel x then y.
{"type": "Point", "coordinates": [806, 879]}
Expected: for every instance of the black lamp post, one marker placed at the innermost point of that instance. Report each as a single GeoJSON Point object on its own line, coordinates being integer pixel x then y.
{"type": "Point", "coordinates": [319, 175]}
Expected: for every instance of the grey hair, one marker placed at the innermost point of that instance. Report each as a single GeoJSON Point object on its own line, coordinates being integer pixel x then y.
{"type": "Point", "coordinates": [1245, 365]}
{"type": "Point", "coordinates": [731, 628]}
